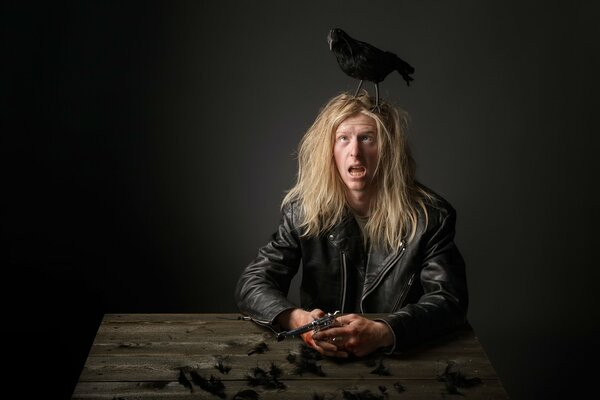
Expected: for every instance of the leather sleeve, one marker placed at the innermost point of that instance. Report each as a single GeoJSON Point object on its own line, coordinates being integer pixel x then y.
{"type": "Point", "coordinates": [262, 288]}
{"type": "Point", "coordinates": [443, 305]}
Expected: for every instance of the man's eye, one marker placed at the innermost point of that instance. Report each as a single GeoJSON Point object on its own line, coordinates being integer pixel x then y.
{"type": "Point", "coordinates": [367, 139]}
{"type": "Point", "coordinates": [342, 138]}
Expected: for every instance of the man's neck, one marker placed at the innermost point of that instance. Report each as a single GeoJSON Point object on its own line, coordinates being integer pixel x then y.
{"type": "Point", "coordinates": [360, 202]}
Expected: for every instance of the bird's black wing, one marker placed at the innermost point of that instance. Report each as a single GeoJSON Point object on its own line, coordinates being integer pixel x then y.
{"type": "Point", "coordinates": [374, 63]}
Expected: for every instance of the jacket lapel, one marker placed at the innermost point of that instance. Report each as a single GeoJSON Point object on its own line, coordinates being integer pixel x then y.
{"type": "Point", "coordinates": [379, 261]}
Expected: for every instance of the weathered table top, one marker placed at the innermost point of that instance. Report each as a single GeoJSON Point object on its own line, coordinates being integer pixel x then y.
{"type": "Point", "coordinates": [144, 356]}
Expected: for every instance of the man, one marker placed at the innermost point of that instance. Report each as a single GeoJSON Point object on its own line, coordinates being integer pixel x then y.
{"type": "Point", "coordinates": [369, 237]}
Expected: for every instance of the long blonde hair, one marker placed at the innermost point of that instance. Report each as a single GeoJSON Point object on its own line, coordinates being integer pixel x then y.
{"type": "Point", "coordinates": [319, 190]}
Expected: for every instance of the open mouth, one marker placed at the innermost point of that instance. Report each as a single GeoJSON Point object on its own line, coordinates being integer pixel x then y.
{"type": "Point", "coordinates": [357, 171]}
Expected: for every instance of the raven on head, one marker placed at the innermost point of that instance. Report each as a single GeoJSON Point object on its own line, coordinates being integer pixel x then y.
{"type": "Point", "coordinates": [363, 61]}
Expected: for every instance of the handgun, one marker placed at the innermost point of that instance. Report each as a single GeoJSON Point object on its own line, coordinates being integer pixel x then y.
{"type": "Point", "coordinates": [317, 325]}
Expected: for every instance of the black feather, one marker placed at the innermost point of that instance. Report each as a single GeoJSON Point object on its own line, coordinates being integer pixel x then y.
{"type": "Point", "coordinates": [383, 390]}
{"type": "Point", "coordinates": [267, 379]}
{"type": "Point", "coordinates": [399, 387]}
{"type": "Point", "coordinates": [247, 394]}
{"type": "Point", "coordinates": [275, 371]}
{"type": "Point", "coordinates": [224, 369]}
{"type": "Point", "coordinates": [454, 379]}
{"type": "Point", "coordinates": [326, 396]}
{"type": "Point", "coordinates": [291, 358]}
{"type": "Point", "coordinates": [158, 384]}
{"type": "Point", "coordinates": [184, 380]}
{"type": "Point", "coordinates": [381, 369]}
{"type": "Point", "coordinates": [212, 385]}
{"type": "Point", "coordinates": [361, 395]}
{"type": "Point", "coordinates": [307, 361]}
{"type": "Point", "coordinates": [259, 348]}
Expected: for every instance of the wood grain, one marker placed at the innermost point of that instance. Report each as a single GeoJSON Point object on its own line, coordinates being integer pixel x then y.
{"type": "Point", "coordinates": [139, 356]}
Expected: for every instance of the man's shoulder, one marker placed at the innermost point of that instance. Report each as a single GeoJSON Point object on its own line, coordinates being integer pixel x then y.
{"type": "Point", "coordinates": [437, 206]}
{"type": "Point", "coordinates": [289, 207]}
{"type": "Point", "coordinates": [290, 210]}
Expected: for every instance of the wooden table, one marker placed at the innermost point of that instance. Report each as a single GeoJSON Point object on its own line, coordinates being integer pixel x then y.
{"type": "Point", "coordinates": [141, 356]}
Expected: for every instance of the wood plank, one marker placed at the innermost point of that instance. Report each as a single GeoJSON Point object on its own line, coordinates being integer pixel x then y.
{"type": "Point", "coordinates": [169, 318]}
{"type": "Point", "coordinates": [232, 335]}
{"type": "Point", "coordinates": [102, 368]}
{"type": "Point", "coordinates": [128, 348]}
{"type": "Point", "coordinates": [414, 389]}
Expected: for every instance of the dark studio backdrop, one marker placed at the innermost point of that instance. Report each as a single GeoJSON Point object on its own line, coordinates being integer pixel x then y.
{"type": "Point", "coordinates": [147, 146]}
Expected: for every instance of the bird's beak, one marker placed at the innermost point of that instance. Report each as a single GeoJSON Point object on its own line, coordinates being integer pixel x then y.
{"type": "Point", "coordinates": [329, 40]}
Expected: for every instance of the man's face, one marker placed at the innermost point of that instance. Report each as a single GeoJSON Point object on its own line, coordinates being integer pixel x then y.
{"type": "Point", "coordinates": [356, 152]}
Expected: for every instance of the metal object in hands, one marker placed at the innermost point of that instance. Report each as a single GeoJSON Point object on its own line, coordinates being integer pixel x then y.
{"type": "Point", "coordinates": [317, 325]}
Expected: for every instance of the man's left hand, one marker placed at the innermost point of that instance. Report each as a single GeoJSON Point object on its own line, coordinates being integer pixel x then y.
{"type": "Point", "coordinates": [357, 335]}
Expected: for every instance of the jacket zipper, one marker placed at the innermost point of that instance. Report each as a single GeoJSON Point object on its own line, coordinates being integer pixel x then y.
{"type": "Point", "coordinates": [255, 320]}
{"type": "Point", "coordinates": [265, 324]}
{"type": "Point", "coordinates": [404, 293]}
{"type": "Point", "coordinates": [344, 272]}
{"type": "Point", "coordinates": [379, 278]}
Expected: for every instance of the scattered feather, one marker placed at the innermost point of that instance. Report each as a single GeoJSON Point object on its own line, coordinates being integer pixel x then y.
{"type": "Point", "coordinates": [361, 395]}
{"type": "Point", "coordinates": [399, 387]}
{"type": "Point", "coordinates": [221, 367]}
{"type": "Point", "coordinates": [454, 379]}
{"type": "Point", "coordinates": [247, 394]}
{"type": "Point", "coordinates": [158, 384]}
{"type": "Point", "coordinates": [267, 379]}
{"type": "Point", "coordinates": [275, 371]}
{"type": "Point", "coordinates": [307, 361]}
{"type": "Point", "coordinates": [184, 380]}
{"type": "Point", "coordinates": [212, 385]}
{"type": "Point", "coordinates": [326, 396]}
{"type": "Point", "coordinates": [291, 358]}
{"type": "Point", "coordinates": [383, 390]}
{"type": "Point", "coordinates": [259, 348]}
{"type": "Point", "coordinates": [381, 369]}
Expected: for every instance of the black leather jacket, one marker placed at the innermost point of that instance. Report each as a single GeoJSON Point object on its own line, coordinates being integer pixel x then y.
{"type": "Point", "coordinates": [422, 287]}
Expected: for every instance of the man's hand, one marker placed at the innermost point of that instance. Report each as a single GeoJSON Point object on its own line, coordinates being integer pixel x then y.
{"type": "Point", "coordinates": [354, 334]}
{"type": "Point", "coordinates": [292, 319]}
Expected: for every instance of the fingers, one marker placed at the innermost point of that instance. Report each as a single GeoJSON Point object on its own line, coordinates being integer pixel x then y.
{"type": "Point", "coordinates": [356, 335]}
{"type": "Point", "coordinates": [324, 347]}
{"type": "Point", "coordinates": [337, 353]}
{"type": "Point", "coordinates": [348, 318]}
{"type": "Point", "coordinates": [317, 313]}
{"type": "Point", "coordinates": [329, 349]}
{"type": "Point", "coordinates": [328, 334]}
{"type": "Point", "coordinates": [332, 342]}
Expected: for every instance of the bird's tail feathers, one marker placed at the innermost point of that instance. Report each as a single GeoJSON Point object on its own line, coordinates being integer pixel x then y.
{"type": "Point", "coordinates": [405, 69]}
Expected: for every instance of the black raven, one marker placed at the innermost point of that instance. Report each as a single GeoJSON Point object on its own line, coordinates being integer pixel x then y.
{"type": "Point", "coordinates": [363, 61]}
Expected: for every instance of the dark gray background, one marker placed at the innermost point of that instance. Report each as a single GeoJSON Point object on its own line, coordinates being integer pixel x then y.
{"type": "Point", "coordinates": [147, 146]}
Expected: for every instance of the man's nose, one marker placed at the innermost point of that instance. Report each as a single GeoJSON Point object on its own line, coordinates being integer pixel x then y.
{"type": "Point", "coordinates": [355, 150]}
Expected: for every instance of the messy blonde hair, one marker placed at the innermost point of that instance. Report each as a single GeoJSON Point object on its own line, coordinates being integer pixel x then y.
{"type": "Point", "coordinates": [319, 190]}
